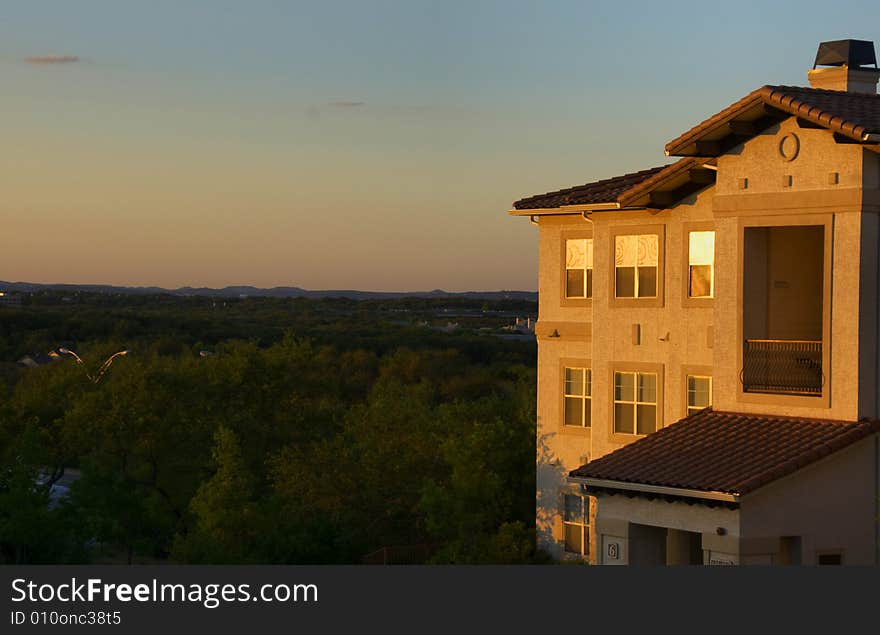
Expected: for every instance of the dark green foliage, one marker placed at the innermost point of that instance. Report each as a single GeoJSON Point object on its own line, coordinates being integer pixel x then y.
{"type": "Point", "coordinates": [32, 529]}
{"type": "Point", "coordinates": [374, 431]}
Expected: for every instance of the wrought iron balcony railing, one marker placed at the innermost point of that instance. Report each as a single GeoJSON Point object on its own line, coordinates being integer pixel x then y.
{"type": "Point", "coordinates": [783, 367]}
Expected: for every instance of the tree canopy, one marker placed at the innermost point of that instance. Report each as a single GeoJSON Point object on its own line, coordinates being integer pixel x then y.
{"type": "Point", "coordinates": [371, 432]}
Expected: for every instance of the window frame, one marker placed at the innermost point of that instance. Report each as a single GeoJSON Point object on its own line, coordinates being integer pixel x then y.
{"type": "Point", "coordinates": [564, 299]}
{"type": "Point", "coordinates": [639, 368]}
{"type": "Point", "coordinates": [584, 397]}
{"type": "Point", "coordinates": [637, 230]}
{"type": "Point", "coordinates": [574, 362]}
{"type": "Point", "coordinates": [586, 527]}
{"type": "Point", "coordinates": [588, 279]}
{"type": "Point", "coordinates": [635, 402]}
{"type": "Point", "coordinates": [830, 552]}
{"type": "Point", "coordinates": [686, 300]}
{"type": "Point", "coordinates": [691, 370]}
{"type": "Point", "coordinates": [688, 406]}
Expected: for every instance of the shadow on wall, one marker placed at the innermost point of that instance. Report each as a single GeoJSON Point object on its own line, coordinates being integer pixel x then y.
{"type": "Point", "coordinates": [549, 477]}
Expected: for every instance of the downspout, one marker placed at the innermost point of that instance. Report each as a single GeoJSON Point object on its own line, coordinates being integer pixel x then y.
{"type": "Point", "coordinates": [876, 412]}
{"type": "Point", "coordinates": [532, 220]}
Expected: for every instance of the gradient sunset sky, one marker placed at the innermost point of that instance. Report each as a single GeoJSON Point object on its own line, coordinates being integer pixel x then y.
{"type": "Point", "coordinates": [373, 145]}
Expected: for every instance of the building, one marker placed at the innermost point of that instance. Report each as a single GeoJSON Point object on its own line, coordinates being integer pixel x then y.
{"type": "Point", "coordinates": [37, 359]}
{"type": "Point", "coordinates": [708, 337]}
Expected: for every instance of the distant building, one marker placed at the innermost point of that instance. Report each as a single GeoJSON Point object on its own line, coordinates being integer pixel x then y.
{"type": "Point", "coordinates": [38, 359]}
{"type": "Point", "coordinates": [523, 329]}
{"type": "Point", "coordinates": [708, 359]}
{"type": "Point", "coordinates": [521, 325]}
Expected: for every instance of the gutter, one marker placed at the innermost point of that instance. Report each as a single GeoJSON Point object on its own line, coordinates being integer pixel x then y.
{"type": "Point", "coordinates": [656, 489]}
{"type": "Point", "coordinates": [565, 209]}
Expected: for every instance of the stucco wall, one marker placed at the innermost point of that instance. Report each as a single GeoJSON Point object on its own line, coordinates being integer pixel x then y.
{"type": "Point", "coordinates": [672, 336]}
{"type": "Point", "coordinates": [759, 160]}
{"type": "Point", "coordinates": [832, 505]}
{"type": "Point", "coordinates": [618, 513]}
{"type": "Point", "coordinates": [811, 198]}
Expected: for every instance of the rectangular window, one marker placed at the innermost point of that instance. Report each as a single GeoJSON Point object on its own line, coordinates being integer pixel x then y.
{"type": "Point", "coordinates": [635, 402]}
{"type": "Point", "coordinates": [636, 260]}
{"type": "Point", "coordinates": [577, 396]}
{"type": "Point", "coordinates": [699, 393]}
{"type": "Point", "coordinates": [701, 264]}
{"type": "Point", "coordinates": [831, 558]}
{"type": "Point", "coordinates": [576, 524]}
{"type": "Point", "coordinates": [579, 268]}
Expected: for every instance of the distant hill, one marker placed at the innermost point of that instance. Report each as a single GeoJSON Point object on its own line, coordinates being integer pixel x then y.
{"type": "Point", "coordinates": [274, 292]}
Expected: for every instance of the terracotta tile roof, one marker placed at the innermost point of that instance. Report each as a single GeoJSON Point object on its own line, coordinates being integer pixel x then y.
{"type": "Point", "coordinates": [850, 114]}
{"type": "Point", "coordinates": [725, 451]}
{"type": "Point", "coordinates": [658, 179]}
{"type": "Point", "coordinates": [605, 191]}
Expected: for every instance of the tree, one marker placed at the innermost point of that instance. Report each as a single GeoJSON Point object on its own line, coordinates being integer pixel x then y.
{"type": "Point", "coordinates": [486, 498]}
{"type": "Point", "coordinates": [226, 516]}
{"type": "Point", "coordinates": [33, 529]}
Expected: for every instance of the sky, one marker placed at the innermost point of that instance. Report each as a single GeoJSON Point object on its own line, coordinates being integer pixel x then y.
{"type": "Point", "coordinates": [371, 145]}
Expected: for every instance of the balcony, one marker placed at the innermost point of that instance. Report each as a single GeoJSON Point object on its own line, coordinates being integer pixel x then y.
{"type": "Point", "coordinates": [791, 367]}
{"type": "Point", "coordinates": [785, 350]}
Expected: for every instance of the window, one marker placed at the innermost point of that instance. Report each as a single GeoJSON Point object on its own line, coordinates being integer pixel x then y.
{"type": "Point", "coordinates": [636, 260]}
{"type": "Point", "coordinates": [577, 396]}
{"type": "Point", "coordinates": [699, 393]}
{"type": "Point", "coordinates": [701, 264]}
{"type": "Point", "coordinates": [576, 524]}
{"type": "Point", "coordinates": [635, 402]}
{"type": "Point", "coordinates": [829, 558]}
{"type": "Point", "coordinates": [579, 268]}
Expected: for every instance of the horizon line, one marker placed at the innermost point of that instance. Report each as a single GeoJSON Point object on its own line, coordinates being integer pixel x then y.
{"type": "Point", "coordinates": [251, 286]}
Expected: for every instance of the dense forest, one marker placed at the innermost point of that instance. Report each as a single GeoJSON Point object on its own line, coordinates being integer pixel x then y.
{"type": "Point", "coordinates": [266, 431]}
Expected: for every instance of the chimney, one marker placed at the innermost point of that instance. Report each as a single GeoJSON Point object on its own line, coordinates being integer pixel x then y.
{"type": "Point", "coordinates": [844, 66]}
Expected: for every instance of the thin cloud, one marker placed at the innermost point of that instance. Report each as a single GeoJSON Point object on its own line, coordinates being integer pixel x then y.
{"type": "Point", "coordinates": [45, 60]}
{"type": "Point", "coordinates": [314, 112]}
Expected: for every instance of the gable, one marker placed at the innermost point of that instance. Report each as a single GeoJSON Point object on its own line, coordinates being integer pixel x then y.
{"type": "Point", "coordinates": [789, 157]}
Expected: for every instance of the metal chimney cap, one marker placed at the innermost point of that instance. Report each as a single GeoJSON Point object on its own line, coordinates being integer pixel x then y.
{"type": "Point", "coordinates": [850, 53]}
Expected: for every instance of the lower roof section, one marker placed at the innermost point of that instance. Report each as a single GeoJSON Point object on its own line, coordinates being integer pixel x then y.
{"type": "Point", "coordinates": [655, 188]}
{"type": "Point", "coordinates": [604, 191]}
{"type": "Point", "coordinates": [719, 456]}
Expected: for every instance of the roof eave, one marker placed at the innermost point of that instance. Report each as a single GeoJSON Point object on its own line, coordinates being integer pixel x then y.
{"type": "Point", "coordinates": [565, 209]}
{"type": "Point", "coordinates": [680, 145]}
{"type": "Point", "coordinates": [642, 194]}
{"type": "Point", "coordinates": [774, 99]}
{"type": "Point", "coordinates": [644, 488]}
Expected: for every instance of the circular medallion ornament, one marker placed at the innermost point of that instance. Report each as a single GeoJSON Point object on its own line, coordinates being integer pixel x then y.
{"type": "Point", "coordinates": [789, 147]}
